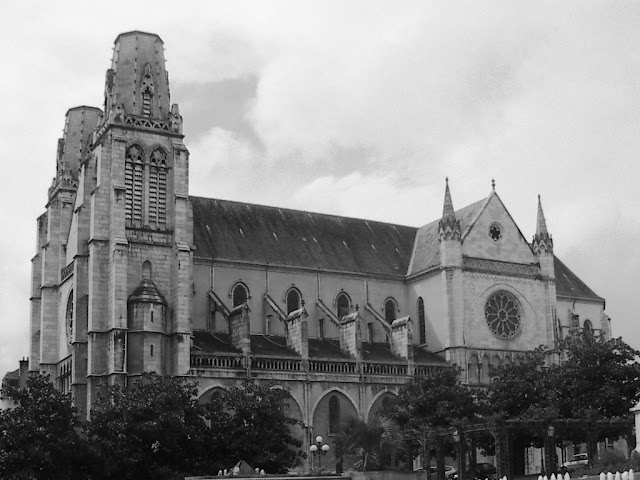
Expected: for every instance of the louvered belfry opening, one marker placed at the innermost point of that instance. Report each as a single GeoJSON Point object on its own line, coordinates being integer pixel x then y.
{"type": "Point", "coordinates": [158, 188]}
{"type": "Point", "coordinates": [133, 180]}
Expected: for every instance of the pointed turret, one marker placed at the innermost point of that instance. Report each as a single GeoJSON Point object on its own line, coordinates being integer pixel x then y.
{"type": "Point", "coordinates": [449, 233]}
{"type": "Point", "coordinates": [542, 244]}
{"type": "Point", "coordinates": [542, 241]}
{"type": "Point", "coordinates": [449, 226]}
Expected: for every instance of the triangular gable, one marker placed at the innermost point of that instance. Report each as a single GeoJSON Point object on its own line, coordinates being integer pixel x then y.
{"type": "Point", "coordinates": [512, 246]}
{"type": "Point", "coordinates": [426, 248]}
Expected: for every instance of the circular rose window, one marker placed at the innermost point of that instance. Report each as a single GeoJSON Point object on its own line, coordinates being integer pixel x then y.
{"type": "Point", "coordinates": [503, 316]}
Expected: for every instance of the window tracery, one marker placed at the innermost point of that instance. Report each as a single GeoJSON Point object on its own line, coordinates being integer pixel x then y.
{"type": "Point", "coordinates": [240, 294]}
{"type": "Point", "coordinates": [133, 181]}
{"type": "Point", "coordinates": [503, 316]}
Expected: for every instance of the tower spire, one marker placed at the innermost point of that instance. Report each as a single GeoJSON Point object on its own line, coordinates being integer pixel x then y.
{"type": "Point", "coordinates": [542, 241]}
{"type": "Point", "coordinates": [449, 226]}
{"type": "Point", "coordinates": [541, 225]}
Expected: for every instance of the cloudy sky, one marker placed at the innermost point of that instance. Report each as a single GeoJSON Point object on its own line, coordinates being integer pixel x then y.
{"type": "Point", "coordinates": [356, 108]}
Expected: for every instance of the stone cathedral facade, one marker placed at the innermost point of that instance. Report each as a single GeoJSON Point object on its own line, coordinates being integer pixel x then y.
{"type": "Point", "coordinates": [132, 275]}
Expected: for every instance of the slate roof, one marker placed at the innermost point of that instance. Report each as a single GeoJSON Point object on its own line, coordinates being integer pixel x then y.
{"type": "Point", "coordinates": [327, 348]}
{"type": "Point", "coordinates": [426, 253]}
{"type": "Point", "coordinates": [272, 346]}
{"type": "Point", "coordinates": [424, 357]}
{"type": "Point", "coordinates": [569, 285]}
{"type": "Point", "coordinates": [244, 232]}
{"type": "Point", "coordinates": [207, 342]}
{"type": "Point", "coordinates": [379, 352]}
{"type": "Point", "coordinates": [236, 231]}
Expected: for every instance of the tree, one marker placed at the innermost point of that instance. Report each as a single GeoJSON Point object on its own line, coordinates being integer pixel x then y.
{"type": "Point", "coordinates": [153, 429]}
{"type": "Point", "coordinates": [435, 401]}
{"type": "Point", "coordinates": [38, 438]}
{"type": "Point", "coordinates": [521, 389]}
{"type": "Point", "coordinates": [374, 443]}
{"type": "Point", "coordinates": [599, 378]}
{"type": "Point", "coordinates": [251, 423]}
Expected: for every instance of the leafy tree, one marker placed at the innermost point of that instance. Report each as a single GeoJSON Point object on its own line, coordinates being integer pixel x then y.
{"type": "Point", "coordinates": [251, 423]}
{"type": "Point", "coordinates": [38, 438]}
{"type": "Point", "coordinates": [153, 429]}
{"type": "Point", "coordinates": [374, 443]}
{"type": "Point", "coordinates": [598, 378]}
{"type": "Point", "coordinates": [435, 401]}
{"type": "Point", "coordinates": [524, 388]}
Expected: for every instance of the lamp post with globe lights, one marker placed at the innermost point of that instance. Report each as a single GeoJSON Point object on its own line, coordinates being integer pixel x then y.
{"type": "Point", "coordinates": [318, 449]}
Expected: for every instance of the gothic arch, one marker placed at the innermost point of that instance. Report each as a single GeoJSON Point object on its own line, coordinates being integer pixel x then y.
{"type": "Point", "coordinates": [386, 392]}
{"type": "Point", "coordinates": [473, 378]}
{"type": "Point", "coordinates": [342, 308]}
{"type": "Point", "coordinates": [391, 309]}
{"type": "Point", "coordinates": [329, 391]}
{"type": "Point", "coordinates": [288, 298]}
{"type": "Point", "coordinates": [297, 403]}
{"type": "Point", "coordinates": [207, 393]}
{"type": "Point", "coordinates": [332, 409]}
{"type": "Point", "coordinates": [232, 292]}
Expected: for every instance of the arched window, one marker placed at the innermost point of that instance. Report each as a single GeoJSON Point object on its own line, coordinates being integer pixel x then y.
{"type": "Point", "coordinates": [421, 321]}
{"type": "Point", "coordinates": [370, 331]}
{"type": "Point", "coordinates": [587, 328]}
{"type": "Point", "coordinates": [294, 300]}
{"type": "Point", "coordinates": [343, 304]}
{"type": "Point", "coordinates": [158, 188]}
{"type": "Point", "coordinates": [390, 310]}
{"type": "Point", "coordinates": [334, 414]}
{"type": "Point", "coordinates": [133, 181]}
{"type": "Point", "coordinates": [240, 294]}
{"type": "Point", "coordinates": [147, 89]}
{"type": "Point", "coordinates": [69, 317]}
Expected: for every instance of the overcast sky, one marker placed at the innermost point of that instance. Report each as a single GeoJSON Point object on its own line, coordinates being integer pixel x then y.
{"type": "Point", "coordinates": [358, 109]}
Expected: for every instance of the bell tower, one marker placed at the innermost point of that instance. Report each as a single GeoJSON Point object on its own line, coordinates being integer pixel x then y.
{"type": "Point", "coordinates": [140, 221]}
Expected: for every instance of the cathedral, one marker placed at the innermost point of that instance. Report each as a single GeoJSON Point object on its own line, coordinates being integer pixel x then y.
{"type": "Point", "coordinates": [132, 274]}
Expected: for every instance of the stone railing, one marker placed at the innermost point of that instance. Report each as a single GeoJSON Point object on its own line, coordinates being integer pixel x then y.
{"type": "Point", "coordinates": [385, 369]}
{"type": "Point", "coordinates": [269, 363]}
{"type": "Point", "coordinates": [237, 361]}
{"type": "Point", "coordinates": [219, 360]}
{"type": "Point", "coordinates": [327, 366]}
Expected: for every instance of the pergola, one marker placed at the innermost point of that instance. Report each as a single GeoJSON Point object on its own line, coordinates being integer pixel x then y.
{"type": "Point", "coordinates": [508, 434]}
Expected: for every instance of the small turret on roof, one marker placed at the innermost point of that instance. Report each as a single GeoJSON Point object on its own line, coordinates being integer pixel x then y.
{"type": "Point", "coordinates": [542, 241]}
{"type": "Point", "coordinates": [449, 226]}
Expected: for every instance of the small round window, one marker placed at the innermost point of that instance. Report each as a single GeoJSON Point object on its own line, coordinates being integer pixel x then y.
{"type": "Point", "coordinates": [495, 232]}
{"type": "Point", "coordinates": [502, 313]}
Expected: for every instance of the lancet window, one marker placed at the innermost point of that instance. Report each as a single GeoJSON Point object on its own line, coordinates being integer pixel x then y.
{"type": "Point", "coordinates": [133, 181]}
{"type": "Point", "coordinates": [158, 188]}
{"type": "Point", "coordinates": [145, 205]}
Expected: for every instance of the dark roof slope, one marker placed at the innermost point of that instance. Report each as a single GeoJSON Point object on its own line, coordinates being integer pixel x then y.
{"type": "Point", "coordinates": [239, 231]}
{"type": "Point", "coordinates": [569, 285]}
{"type": "Point", "coordinates": [427, 245]}
{"type": "Point", "coordinates": [255, 233]}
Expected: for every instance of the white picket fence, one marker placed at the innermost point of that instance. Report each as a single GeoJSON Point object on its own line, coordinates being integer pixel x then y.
{"type": "Point", "coordinates": [627, 475]}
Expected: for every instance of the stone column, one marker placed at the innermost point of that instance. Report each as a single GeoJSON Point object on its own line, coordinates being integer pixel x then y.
{"type": "Point", "coordinates": [636, 414]}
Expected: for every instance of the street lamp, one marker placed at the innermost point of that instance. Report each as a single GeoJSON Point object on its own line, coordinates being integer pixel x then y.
{"type": "Point", "coordinates": [318, 449]}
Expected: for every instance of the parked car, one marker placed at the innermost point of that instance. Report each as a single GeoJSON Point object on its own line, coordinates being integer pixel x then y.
{"type": "Point", "coordinates": [576, 460]}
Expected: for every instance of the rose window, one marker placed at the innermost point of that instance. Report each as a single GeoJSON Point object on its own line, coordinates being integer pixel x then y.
{"type": "Point", "coordinates": [502, 312]}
